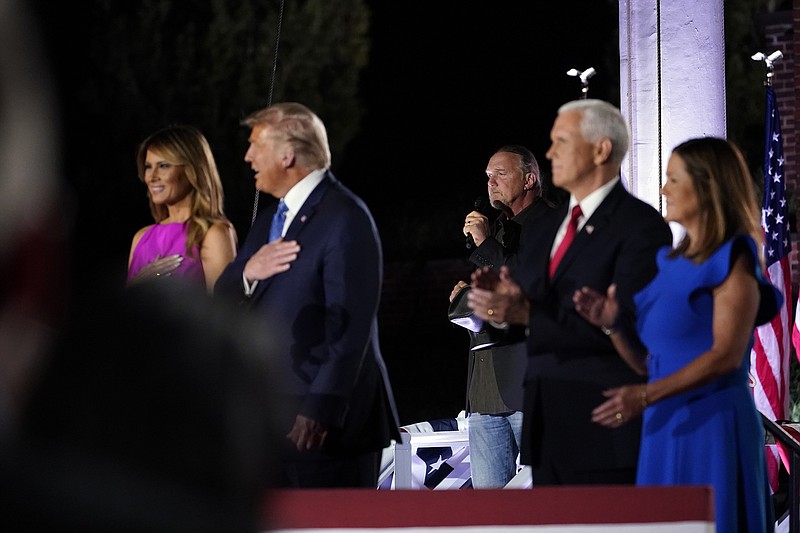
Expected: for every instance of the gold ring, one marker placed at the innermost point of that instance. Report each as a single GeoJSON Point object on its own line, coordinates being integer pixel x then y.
{"type": "Point", "coordinates": [619, 417]}
{"type": "Point", "coordinates": [490, 312]}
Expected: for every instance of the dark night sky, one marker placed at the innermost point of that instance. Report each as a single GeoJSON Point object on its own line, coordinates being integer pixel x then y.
{"type": "Point", "coordinates": [447, 83]}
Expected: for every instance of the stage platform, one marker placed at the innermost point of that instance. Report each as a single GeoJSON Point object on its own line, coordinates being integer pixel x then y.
{"type": "Point", "coordinates": [539, 510]}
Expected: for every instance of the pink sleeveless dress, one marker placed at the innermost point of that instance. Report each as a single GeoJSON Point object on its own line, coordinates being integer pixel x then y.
{"type": "Point", "coordinates": [161, 240]}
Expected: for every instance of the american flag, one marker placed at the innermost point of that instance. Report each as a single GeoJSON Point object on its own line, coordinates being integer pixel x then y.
{"type": "Point", "coordinates": [769, 359]}
{"type": "Point", "coordinates": [439, 456]}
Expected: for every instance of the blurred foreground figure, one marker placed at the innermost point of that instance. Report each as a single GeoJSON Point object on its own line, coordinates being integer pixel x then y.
{"type": "Point", "coordinates": [33, 228]}
{"type": "Point", "coordinates": [151, 415]}
{"type": "Point", "coordinates": [141, 411]}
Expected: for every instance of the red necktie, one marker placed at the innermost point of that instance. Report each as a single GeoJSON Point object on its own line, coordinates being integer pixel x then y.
{"type": "Point", "coordinates": [572, 229]}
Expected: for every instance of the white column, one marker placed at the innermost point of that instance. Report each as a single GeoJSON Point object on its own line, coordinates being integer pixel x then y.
{"type": "Point", "coordinates": [672, 82]}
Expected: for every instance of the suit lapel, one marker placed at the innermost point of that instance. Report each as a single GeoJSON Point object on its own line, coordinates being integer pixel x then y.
{"type": "Point", "coordinates": [537, 241]}
{"type": "Point", "coordinates": [302, 217]}
{"type": "Point", "coordinates": [594, 226]}
{"type": "Point", "coordinates": [309, 207]}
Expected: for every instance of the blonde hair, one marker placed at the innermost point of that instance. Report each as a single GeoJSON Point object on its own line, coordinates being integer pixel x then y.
{"type": "Point", "coordinates": [297, 125]}
{"type": "Point", "coordinates": [186, 146]}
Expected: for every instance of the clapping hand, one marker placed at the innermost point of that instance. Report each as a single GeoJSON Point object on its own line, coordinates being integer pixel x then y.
{"type": "Point", "coordinates": [597, 308]}
{"type": "Point", "coordinates": [623, 405]}
{"type": "Point", "coordinates": [498, 298]}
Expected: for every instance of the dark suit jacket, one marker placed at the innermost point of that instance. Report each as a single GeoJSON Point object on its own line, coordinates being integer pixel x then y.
{"type": "Point", "coordinates": [509, 359]}
{"type": "Point", "coordinates": [570, 361]}
{"type": "Point", "coordinates": [323, 311]}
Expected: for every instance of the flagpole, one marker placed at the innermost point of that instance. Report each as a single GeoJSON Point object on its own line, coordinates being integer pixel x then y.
{"type": "Point", "coordinates": [771, 353]}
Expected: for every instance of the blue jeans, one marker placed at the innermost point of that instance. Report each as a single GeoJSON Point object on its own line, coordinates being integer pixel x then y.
{"type": "Point", "coordinates": [494, 443]}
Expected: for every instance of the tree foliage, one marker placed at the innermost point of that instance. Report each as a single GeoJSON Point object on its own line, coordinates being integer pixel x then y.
{"type": "Point", "coordinates": [129, 68]}
{"type": "Point", "coordinates": [744, 79]}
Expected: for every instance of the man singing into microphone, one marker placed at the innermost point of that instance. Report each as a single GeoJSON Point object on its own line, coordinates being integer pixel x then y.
{"type": "Point", "coordinates": [495, 374]}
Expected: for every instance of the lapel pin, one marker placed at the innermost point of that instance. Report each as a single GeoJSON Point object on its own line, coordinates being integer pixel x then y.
{"type": "Point", "coordinates": [589, 229]}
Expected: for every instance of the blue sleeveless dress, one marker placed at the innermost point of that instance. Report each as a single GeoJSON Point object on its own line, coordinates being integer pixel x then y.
{"type": "Point", "coordinates": [711, 435]}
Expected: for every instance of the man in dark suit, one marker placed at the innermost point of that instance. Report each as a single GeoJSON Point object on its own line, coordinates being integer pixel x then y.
{"type": "Point", "coordinates": [317, 281]}
{"type": "Point", "coordinates": [613, 239]}
{"type": "Point", "coordinates": [495, 372]}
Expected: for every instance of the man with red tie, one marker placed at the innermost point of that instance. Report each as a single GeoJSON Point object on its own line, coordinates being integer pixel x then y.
{"type": "Point", "coordinates": [603, 235]}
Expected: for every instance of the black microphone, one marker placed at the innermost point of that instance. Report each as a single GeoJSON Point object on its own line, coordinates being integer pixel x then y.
{"type": "Point", "coordinates": [480, 204]}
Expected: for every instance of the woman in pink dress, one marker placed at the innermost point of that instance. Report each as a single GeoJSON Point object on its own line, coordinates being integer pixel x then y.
{"type": "Point", "coordinates": [191, 238]}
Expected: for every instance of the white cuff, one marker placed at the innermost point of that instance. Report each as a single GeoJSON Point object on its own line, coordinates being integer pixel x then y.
{"type": "Point", "coordinates": [471, 323]}
{"type": "Point", "coordinates": [248, 288]}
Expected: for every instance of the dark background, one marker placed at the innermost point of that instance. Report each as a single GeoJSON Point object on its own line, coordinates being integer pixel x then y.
{"type": "Point", "coordinates": [434, 88]}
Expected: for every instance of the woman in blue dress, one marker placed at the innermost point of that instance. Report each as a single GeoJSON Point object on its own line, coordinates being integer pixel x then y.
{"type": "Point", "coordinates": [694, 332]}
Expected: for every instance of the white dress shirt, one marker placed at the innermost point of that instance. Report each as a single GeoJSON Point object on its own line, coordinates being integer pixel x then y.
{"type": "Point", "coordinates": [294, 200]}
{"type": "Point", "coordinates": [588, 206]}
